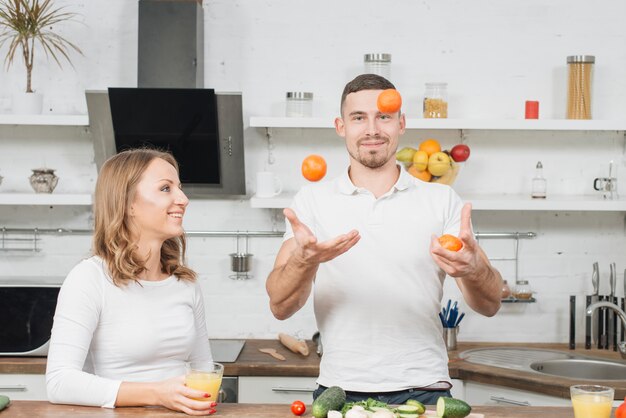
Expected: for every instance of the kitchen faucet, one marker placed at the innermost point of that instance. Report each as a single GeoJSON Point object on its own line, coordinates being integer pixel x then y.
{"type": "Point", "coordinates": [621, 346]}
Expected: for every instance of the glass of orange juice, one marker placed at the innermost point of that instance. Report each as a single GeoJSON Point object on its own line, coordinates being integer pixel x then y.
{"type": "Point", "coordinates": [205, 376]}
{"type": "Point", "coordinates": [591, 401]}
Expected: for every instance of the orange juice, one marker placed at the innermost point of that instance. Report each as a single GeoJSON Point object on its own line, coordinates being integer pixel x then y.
{"type": "Point", "coordinates": [591, 406]}
{"type": "Point", "coordinates": [206, 382]}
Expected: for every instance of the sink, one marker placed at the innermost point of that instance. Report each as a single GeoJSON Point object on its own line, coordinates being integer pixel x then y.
{"type": "Point", "coordinates": [549, 362]}
{"type": "Point", "coordinates": [579, 368]}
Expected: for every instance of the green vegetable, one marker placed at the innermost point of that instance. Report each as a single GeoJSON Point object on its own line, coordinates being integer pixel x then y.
{"type": "Point", "coordinates": [452, 408]}
{"type": "Point", "coordinates": [408, 410]}
{"type": "Point", "coordinates": [4, 402]}
{"type": "Point", "coordinates": [332, 399]}
{"type": "Point", "coordinates": [420, 406]}
{"type": "Point", "coordinates": [369, 405]}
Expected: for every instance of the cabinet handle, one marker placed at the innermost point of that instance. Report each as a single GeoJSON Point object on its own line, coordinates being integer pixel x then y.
{"type": "Point", "coordinates": [286, 389]}
{"type": "Point", "coordinates": [13, 388]}
{"type": "Point", "coordinates": [500, 399]}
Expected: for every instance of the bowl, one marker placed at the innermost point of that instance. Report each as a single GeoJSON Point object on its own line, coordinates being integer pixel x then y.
{"type": "Point", "coordinates": [448, 178]}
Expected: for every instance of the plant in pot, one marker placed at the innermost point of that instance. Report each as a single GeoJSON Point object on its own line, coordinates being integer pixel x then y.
{"type": "Point", "coordinates": [23, 25]}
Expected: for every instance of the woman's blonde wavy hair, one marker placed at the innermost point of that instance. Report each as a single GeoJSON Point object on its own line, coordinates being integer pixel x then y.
{"type": "Point", "coordinates": [113, 238]}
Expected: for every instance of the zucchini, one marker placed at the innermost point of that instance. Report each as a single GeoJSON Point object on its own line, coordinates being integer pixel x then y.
{"type": "Point", "coordinates": [408, 410]}
{"type": "Point", "coordinates": [452, 408]}
{"type": "Point", "coordinates": [332, 399]}
{"type": "Point", "coordinates": [4, 402]}
{"type": "Point", "coordinates": [421, 408]}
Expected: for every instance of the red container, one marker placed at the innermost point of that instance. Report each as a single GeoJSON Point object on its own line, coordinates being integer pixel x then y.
{"type": "Point", "coordinates": [532, 109]}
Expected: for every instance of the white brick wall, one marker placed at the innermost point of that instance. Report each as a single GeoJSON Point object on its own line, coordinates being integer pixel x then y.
{"type": "Point", "coordinates": [494, 55]}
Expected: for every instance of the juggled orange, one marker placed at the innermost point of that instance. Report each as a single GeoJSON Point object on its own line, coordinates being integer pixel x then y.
{"type": "Point", "coordinates": [389, 101]}
{"type": "Point", "coordinates": [314, 167]}
{"type": "Point", "coordinates": [450, 242]}
{"type": "Point", "coordinates": [431, 146]}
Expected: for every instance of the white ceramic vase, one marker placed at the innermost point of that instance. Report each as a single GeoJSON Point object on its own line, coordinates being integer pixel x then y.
{"type": "Point", "coordinates": [27, 103]}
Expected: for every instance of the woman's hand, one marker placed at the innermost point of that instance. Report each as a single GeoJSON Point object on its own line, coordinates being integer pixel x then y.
{"type": "Point", "coordinates": [174, 395]}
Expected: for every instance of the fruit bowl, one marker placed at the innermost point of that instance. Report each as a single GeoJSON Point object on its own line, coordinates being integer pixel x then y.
{"type": "Point", "coordinates": [448, 178]}
{"type": "Point", "coordinates": [432, 164]}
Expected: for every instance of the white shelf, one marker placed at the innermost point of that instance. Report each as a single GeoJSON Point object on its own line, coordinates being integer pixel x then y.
{"type": "Point", "coordinates": [429, 124]}
{"type": "Point", "coordinates": [496, 202]}
{"type": "Point", "coordinates": [48, 120]}
{"type": "Point", "coordinates": [46, 199]}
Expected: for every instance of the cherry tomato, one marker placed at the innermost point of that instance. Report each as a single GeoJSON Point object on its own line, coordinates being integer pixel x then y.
{"type": "Point", "coordinates": [298, 408]}
{"type": "Point", "coordinates": [620, 412]}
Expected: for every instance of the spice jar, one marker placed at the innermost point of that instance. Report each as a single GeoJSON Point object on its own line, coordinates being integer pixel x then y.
{"type": "Point", "coordinates": [579, 80]}
{"type": "Point", "coordinates": [436, 100]}
{"type": "Point", "coordinates": [378, 64]}
{"type": "Point", "coordinates": [522, 290]}
{"type": "Point", "coordinates": [506, 290]}
{"type": "Point", "coordinates": [299, 104]}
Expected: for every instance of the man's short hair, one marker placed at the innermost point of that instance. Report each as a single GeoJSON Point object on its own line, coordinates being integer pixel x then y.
{"type": "Point", "coordinates": [365, 82]}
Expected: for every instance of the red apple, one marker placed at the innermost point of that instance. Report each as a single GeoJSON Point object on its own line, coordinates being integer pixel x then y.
{"type": "Point", "coordinates": [460, 153]}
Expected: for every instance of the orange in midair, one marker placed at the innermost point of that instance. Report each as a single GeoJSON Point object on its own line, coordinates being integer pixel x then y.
{"type": "Point", "coordinates": [431, 146]}
{"type": "Point", "coordinates": [450, 242]}
{"type": "Point", "coordinates": [389, 101]}
{"type": "Point", "coordinates": [314, 167]}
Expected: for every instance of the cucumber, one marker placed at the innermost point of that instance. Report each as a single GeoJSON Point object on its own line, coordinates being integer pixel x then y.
{"type": "Point", "coordinates": [408, 410]}
{"type": "Point", "coordinates": [452, 408]}
{"type": "Point", "coordinates": [421, 408]}
{"type": "Point", "coordinates": [332, 399]}
{"type": "Point", "coordinates": [4, 402]}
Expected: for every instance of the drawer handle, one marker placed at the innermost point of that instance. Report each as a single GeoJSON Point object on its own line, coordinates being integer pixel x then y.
{"type": "Point", "coordinates": [13, 388]}
{"type": "Point", "coordinates": [286, 389]}
{"type": "Point", "coordinates": [500, 399]}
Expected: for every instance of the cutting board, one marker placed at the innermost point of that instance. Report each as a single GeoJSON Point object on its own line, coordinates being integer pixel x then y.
{"type": "Point", "coordinates": [434, 414]}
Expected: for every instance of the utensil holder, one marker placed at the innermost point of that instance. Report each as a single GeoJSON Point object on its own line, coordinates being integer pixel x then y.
{"type": "Point", "coordinates": [241, 262]}
{"type": "Point", "coordinates": [449, 337]}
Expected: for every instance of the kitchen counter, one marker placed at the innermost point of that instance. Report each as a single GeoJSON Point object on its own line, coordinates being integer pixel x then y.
{"type": "Point", "coordinates": [251, 362]}
{"type": "Point", "coordinates": [42, 409]}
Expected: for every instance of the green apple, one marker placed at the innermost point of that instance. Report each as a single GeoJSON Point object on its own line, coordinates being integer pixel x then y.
{"type": "Point", "coordinates": [405, 155]}
{"type": "Point", "coordinates": [438, 163]}
{"type": "Point", "coordinates": [420, 160]}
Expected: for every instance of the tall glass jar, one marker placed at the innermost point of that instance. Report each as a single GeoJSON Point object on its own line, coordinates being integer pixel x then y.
{"type": "Point", "coordinates": [579, 84]}
{"type": "Point", "coordinates": [299, 104]}
{"type": "Point", "coordinates": [378, 64]}
{"type": "Point", "coordinates": [436, 100]}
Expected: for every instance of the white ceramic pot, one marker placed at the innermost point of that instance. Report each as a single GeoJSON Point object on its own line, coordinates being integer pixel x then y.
{"type": "Point", "coordinates": [27, 103]}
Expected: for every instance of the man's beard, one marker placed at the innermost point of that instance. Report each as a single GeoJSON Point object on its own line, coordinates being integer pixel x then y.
{"type": "Point", "coordinates": [372, 159]}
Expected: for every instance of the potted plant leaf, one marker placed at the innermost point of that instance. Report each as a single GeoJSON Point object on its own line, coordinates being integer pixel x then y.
{"type": "Point", "coordinates": [25, 24]}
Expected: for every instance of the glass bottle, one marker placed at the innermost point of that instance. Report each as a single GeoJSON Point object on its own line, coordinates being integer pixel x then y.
{"type": "Point", "coordinates": [522, 290]}
{"type": "Point", "coordinates": [539, 184]}
{"type": "Point", "coordinates": [506, 290]}
{"type": "Point", "coordinates": [379, 64]}
{"type": "Point", "coordinates": [436, 100]}
{"type": "Point", "coordinates": [579, 79]}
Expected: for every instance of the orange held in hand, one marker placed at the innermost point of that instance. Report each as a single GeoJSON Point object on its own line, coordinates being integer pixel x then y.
{"type": "Point", "coordinates": [389, 101]}
{"type": "Point", "coordinates": [450, 242]}
{"type": "Point", "coordinates": [314, 167]}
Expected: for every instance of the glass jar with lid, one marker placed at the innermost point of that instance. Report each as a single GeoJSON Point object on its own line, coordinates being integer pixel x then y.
{"type": "Point", "coordinates": [436, 100]}
{"type": "Point", "coordinates": [379, 64]}
{"type": "Point", "coordinates": [579, 84]}
{"type": "Point", "coordinates": [522, 290]}
{"type": "Point", "coordinates": [299, 104]}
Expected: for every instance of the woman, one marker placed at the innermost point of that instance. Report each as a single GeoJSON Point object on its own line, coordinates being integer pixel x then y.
{"type": "Point", "coordinates": [128, 317]}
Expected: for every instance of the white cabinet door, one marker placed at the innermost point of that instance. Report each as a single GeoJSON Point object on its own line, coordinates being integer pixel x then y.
{"type": "Point", "coordinates": [276, 389]}
{"type": "Point", "coordinates": [31, 387]}
{"type": "Point", "coordinates": [482, 394]}
{"type": "Point", "coordinates": [458, 389]}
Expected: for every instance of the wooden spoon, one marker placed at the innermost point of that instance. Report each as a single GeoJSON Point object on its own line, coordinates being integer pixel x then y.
{"type": "Point", "coordinates": [272, 352]}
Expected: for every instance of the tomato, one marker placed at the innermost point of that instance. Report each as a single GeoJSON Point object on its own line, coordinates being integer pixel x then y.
{"type": "Point", "coordinates": [620, 412]}
{"type": "Point", "coordinates": [298, 408]}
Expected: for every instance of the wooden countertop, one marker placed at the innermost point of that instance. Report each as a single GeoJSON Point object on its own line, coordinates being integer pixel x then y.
{"type": "Point", "coordinates": [42, 409]}
{"type": "Point", "coordinates": [251, 362]}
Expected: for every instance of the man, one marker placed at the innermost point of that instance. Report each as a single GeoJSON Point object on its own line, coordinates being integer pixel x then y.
{"type": "Point", "coordinates": [378, 287]}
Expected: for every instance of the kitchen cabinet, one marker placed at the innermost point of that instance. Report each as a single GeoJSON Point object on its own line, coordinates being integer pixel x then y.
{"type": "Point", "coordinates": [30, 387]}
{"type": "Point", "coordinates": [495, 201]}
{"type": "Point", "coordinates": [484, 394]}
{"type": "Point", "coordinates": [276, 389]}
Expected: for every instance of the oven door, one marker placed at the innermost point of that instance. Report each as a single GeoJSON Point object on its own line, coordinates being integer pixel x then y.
{"type": "Point", "coordinates": [27, 313]}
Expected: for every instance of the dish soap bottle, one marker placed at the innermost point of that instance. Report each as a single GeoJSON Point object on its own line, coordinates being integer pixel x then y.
{"type": "Point", "coordinates": [539, 184]}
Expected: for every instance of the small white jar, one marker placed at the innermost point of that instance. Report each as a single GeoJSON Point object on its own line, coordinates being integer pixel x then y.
{"type": "Point", "coordinates": [299, 104]}
{"type": "Point", "coordinates": [379, 64]}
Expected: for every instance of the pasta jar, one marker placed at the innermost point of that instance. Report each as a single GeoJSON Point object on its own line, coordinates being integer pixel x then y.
{"type": "Point", "coordinates": [299, 104]}
{"type": "Point", "coordinates": [378, 64]}
{"type": "Point", "coordinates": [579, 80]}
{"type": "Point", "coordinates": [436, 100]}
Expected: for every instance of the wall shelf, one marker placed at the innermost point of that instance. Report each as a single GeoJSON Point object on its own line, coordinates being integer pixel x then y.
{"type": "Point", "coordinates": [17, 199]}
{"type": "Point", "coordinates": [495, 202]}
{"type": "Point", "coordinates": [455, 124]}
{"type": "Point", "coordinates": [48, 120]}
